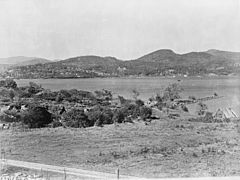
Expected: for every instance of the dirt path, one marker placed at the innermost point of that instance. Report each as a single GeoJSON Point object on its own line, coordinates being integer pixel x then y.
{"type": "Point", "coordinates": [70, 171]}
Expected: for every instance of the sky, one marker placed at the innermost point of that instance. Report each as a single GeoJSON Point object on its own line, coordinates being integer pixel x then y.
{"type": "Point", "coordinates": [126, 29]}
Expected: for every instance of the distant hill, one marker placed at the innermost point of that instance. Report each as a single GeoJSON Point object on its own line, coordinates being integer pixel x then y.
{"type": "Point", "coordinates": [159, 62]}
{"type": "Point", "coordinates": [164, 62]}
{"type": "Point", "coordinates": [22, 60]}
{"type": "Point", "coordinates": [104, 64]}
{"type": "Point", "coordinates": [226, 54]}
{"type": "Point", "coordinates": [33, 61]}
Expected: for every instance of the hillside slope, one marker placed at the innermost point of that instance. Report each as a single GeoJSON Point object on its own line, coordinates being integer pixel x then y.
{"type": "Point", "coordinates": [163, 62]}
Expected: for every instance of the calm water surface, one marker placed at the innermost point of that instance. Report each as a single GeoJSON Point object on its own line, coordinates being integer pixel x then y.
{"type": "Point", "coordinates": [198, 87]}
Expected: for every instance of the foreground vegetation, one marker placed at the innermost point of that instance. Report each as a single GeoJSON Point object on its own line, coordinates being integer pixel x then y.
{"type": "Point", "coordinates": [94, 130]}
{"type": "Point", "coordinates": [164, 148]}
{"type": "Point", "coordinates": [35, 107]}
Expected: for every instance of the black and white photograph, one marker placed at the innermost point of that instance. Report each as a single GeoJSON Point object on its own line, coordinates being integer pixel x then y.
{"type": "Point", "coordinates": [119, 89]}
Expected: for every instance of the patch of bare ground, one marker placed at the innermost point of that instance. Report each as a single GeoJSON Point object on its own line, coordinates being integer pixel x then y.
{"type": "Point", "coordinates": [163, 148]}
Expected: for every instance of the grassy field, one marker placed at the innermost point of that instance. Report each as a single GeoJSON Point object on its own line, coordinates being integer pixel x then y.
{"type": "Point", "coordinates": [164, 148]}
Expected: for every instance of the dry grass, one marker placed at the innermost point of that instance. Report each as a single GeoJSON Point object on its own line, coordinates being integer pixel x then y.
{"type": "Point", "coordinates": [164, 148]}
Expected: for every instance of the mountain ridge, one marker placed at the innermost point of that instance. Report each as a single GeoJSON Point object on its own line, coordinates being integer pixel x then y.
{"type": "Point", "coordinates": [161, 62]}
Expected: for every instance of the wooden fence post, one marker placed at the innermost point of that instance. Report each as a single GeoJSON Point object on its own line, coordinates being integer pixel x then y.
{"type": "Point", "coordinates": [65, 174]}
{"type": "Point", "coordinates": [117, 172]}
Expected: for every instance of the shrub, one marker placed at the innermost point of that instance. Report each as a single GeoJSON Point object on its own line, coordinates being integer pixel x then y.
{"type": "Point", "coordinates": [122, 100]}
{"type": "Point", "coordinates": [11, 94]}
{"type": "Point", "coordinates": [59, 98]}
{"type": "Point", "coordinates": [55, 124]}
{"type": "Point", "coordinates": [192, 98]}
{"type": "Point", "coordinates": [76, 118]}
{"type": "Point", "coordinates": [201, 108]}
{"type": "Point", "coordinates": [145, 112]}
{"type": "Point", "coordinates": [172, 92]}
{"type": "Point", "coordinates": [100, 115]}
{"type": "Point", "coordinates": [159, 99]}
{"type": "Point", "coordinates": [36, 117]}
{"type": "Point", "coordinates": [34, 88]}
{"type": "Point", "coordinates": [104, 94]}
{"type": "Point", "coordinates": [48, 95]}
{"type": "Point", "coordinates": [119, 116]}
{"type": "Point", "coordinates": [9, 83]}
{"type": "Point", "coordinates": [7, 118]}
{"type": "Point", "coordinates": [139, 102]}
{"type": "Point", "coordinates": [107, 116]}
{"type": "Point", "coordinates": [4, 92]}
{"type": "Point", "coordinates": [184, 108]}
{"type": "Point", "coordinates": [23, 92]}
{"type": "Point", "coordinates": [131, 110]}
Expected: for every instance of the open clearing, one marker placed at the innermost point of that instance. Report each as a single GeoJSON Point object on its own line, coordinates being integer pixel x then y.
{"type": "Point", "coordinates": [164, 148]}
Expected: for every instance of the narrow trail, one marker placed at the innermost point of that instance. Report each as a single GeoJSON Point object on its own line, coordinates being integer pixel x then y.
{"type": "Point", "coordinates": [85, 174]}
{"type": "Point", "coordinates": [69, 171]}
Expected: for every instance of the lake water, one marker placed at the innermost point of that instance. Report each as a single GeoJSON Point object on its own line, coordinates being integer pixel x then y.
{"type": "Point", "coordinates": [149, 86]}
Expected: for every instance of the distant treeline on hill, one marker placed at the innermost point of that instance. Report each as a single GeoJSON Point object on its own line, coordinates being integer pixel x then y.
{"type": "Point", "coordinates": [159, 63]}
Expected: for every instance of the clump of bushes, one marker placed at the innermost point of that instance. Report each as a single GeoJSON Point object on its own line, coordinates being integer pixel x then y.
{"type": "Point", "coordinates": [100, 115]}
{"type": "Point", "coordinates": [145, 113]}
{"type": "Point", "coordinates": [8, 83]}
{"type": "Point", "coordinates": [36, 117]}
{"type": "Point", "coordinates": [76, 118]}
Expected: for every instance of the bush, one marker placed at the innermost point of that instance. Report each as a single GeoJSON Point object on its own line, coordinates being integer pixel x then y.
{"type": "Point", "coordinates": [96, 117]}
{"type": "Point", "coordinates": [131, 110]}
{"type": "Point", "coordinates": [104, 94]}
{"type": "Point", "coordinates": [36, 117]}
{"type": "Point", "coordinates": [76, 118]}
{"type": "Point", "coordinates": [107, 116]}
{"type": "Point", "coordinates": [100, 115]}
{"type": "Point", "coordinates": [8, 83]}
{"type": "Point", "coordinates": [34, 88]}
{"type": "Point", "coordinates": [11, 94]}
{"type": "Point", "coordinates": [55, 124]}
{"type": "Point", "coordinates": [145, 112]}
{"type": "Point", "coordinates": [192, 98]}
{"type": "Point", "coordinates": [139, 102]}
{"type": "Point", "coordinates": [172, 92]}
{"type": "Point", "coordinates": [47, 95]}
{"type": "Point", "coordinates": [119, 116]}
{"type": "Point", "coordinates": [7, 118]}
{"type": "Point", "coordinates": [201, 108]}
{"type": "Point", "coordinates": [184, 108]}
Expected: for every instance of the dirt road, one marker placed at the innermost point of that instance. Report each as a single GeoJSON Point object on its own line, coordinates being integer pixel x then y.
{"type": "Point", "coordinates": [70, 171]}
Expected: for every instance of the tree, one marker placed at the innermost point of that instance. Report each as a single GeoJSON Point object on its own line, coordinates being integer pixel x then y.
{"type": "Point", "coordinates": [10, 83]}
{"type": "Point", "coordinates": [34, 88]}
{"type": "Point", "coordinates": [76, 118]}
{"type": "Point", "coordinates": [172, 92]}
{"type": "Point", "coordinates": [36, 117]}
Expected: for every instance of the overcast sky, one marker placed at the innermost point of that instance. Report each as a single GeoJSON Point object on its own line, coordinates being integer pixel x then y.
{"type": "Point", "coordinates": [126, 29]}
